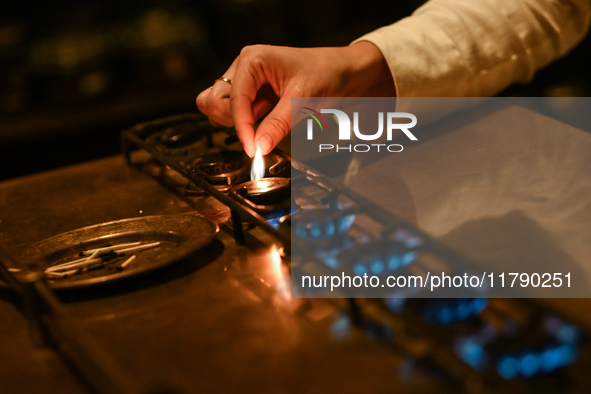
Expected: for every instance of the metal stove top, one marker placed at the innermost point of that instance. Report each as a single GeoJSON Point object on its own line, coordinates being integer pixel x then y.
{"type": "Point", "coordinates": [220, 319]}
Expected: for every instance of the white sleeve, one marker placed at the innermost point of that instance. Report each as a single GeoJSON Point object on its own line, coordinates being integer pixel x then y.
{"type": "Point", "coordinates": [478, 47]}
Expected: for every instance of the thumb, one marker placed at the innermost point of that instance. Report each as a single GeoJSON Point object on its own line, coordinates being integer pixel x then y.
{"type": "Point", "coordinates": [275, 126]}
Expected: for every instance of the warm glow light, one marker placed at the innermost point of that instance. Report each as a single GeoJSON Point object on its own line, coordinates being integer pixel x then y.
{"type": "Point", "coordinates": [258, 166]}
{"type": "Point", "coordinates": [279, 272]}
{"type": "Point", "coordinates": [276, 260]}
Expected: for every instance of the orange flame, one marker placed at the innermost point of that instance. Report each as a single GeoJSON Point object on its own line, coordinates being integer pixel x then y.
{"type": "Point", "coordinates": [258, 166]}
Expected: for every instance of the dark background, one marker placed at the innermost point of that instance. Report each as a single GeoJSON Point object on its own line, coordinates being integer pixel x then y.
{"type": "Point", "coordinates": [73, 74]}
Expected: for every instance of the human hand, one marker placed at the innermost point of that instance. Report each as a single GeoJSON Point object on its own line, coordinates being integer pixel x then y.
{"type": "Point", "coordinates": [264, 78]}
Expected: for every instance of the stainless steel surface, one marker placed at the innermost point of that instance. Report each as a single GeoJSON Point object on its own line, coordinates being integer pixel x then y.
{"type": "Point", "coordinates": [214, 322]}
{"type": "Point", "coordinates": [220, 319]}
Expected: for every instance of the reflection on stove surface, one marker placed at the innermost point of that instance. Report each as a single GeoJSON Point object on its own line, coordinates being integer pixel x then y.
{"type": "Point", "coordinates": [468, 338]}
{"type": "Point", "coordinates": [224, 317]}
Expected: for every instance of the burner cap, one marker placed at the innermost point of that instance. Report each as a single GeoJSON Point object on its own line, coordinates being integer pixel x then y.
{"type": "Point", "coordinates": [181, 135]}
{"type": "Point", "coordinates": [266, 191]}
{"type": "Point", "coordinates": [216, 164]}
{"type": "Point", "coordinates": [224, 164]}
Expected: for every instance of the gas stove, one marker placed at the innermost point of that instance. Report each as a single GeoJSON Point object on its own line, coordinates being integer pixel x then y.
{"type": "Point", "coordinates": [221, 319]}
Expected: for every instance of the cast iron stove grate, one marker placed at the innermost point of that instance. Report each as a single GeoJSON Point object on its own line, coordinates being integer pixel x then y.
{"type": "Point", "coordinates": [327, 222]}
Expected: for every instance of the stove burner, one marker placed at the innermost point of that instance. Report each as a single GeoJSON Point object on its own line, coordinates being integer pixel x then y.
{"type": "Point", "coordinates": [341, 239]}
{"type": "Point", "coordinates": [183, 141]}
{"type": "Point", "coordinates": [181, 136]}
{"type": "Point", "coordinates": [322, 223]}
{"type": "Point", "coordinates": [215, 164]}
{"type": "Point", "coordinates": [377, 257]}
{"type": "Point", "coordinates": [266, 191]}
{"type": "Point", "coordinates": [269, 197]}
{"type": "Point", "coordinates": [443, 311]}
{"type": "Point", "coordinates": [222, 165]}
{"type": "Point", "coordinates": [514, 355]}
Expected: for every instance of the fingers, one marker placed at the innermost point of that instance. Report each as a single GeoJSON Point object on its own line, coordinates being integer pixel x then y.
{"type": "Point", "coordinates": [265, 101]}
{"type": "Point", "coordinates": [215, 104]}
{"type": "Point", "coordinates": [248, 79]}
{"type": "Point", "coordinates": [214, 101]}
{"type": "Point", "coordinates": [246, 99]}
{"type": "Point", "coordinates": [274, 127]}
{"type": "Point", "coordinates": [202, 99]}
{"type": "Point", "coordinates": [244, 122]}
{"type": "Point", "coordinates": [218, 104]}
